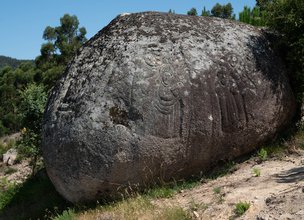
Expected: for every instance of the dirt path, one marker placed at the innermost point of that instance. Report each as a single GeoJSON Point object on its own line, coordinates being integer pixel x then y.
{"type": "Point", "coordinates": [278, 193]}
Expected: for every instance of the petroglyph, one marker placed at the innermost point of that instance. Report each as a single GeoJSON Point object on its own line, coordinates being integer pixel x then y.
{"type": "Point", "coordinates": [157, 96]}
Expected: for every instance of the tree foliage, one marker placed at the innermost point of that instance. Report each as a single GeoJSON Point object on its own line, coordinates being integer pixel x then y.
{"type": "Point", "coordinates": [263, 4]}
{"type": "Point", "coordinates": [62, 43]}
{"type": "Point", "coordinates": [22, 88]}
{"type": "Point", "coordinates": [8, 61]}
{"type": "Point", "coordinates": [254, 16]}
{"type": "Point", "coordinates": [192, 12]}
{"type": "Point", "coordinates": [287, 18]}
{"type": "Point", "coordinates": [205, 12]}
{"type": "Point", "coordinates": [222, 11]}
{"type": "Point", "coordinates": [11, 82]}
{"type": "Point", "coordinates": [171, 11]}
{"type": "Point", "coordinates": [33, 100]}
{"type": "Point", "coordinates": [23, 91]}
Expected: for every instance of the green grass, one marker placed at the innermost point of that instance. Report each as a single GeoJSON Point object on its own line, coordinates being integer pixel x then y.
{"type": "Point", "coordinates": [241, 208]}
{"type": "Point", "coordinates": [256, 172]}
{"type": "Point", "coordinates": [175, 213]}
{"type": "Point", "coordinates": [7, 192]}
{"type": "Point", "coordinates": [5, 147]}
{"type": "Point", "coordinates": [194, 206]}
{"type": "Point", "coordinates": [217, 190]}
{"type": "Point", "coordinates": [161, 192]}
{"type": "Point", "coordinates": [10, 170]}
{"type": "Point", "coordinates": [263, 154]}
{"type": "Point", "coordinates": [66, 215]}
{"type": "Point", "coordinates": [139, 207]}
{"type": "Point", "coordinates": [168, 190]}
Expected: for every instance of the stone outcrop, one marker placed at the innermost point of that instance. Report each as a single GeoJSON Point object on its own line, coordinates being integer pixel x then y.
{"type": "Point", "coordinates": [9, 158]}
{"type": "Point", "coordinates": [154, 97]}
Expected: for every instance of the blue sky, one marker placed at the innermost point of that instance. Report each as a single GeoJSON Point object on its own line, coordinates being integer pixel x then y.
{"type": "Point", "coordinates": [22, 22]}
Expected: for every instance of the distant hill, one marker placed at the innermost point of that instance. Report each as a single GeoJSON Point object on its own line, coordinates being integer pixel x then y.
{"type": "Point", "coordinates": [8, 61]}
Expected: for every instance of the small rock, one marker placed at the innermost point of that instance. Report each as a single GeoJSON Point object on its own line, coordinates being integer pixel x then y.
{"type": "Point", "coordinates": [196, 214]}
{"type": "Point", "coordinates": [268, 200]}
{"type": "Point", "coordinates": [9, 158]}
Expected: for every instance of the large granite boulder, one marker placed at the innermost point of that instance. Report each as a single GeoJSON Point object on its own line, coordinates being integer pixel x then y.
{"type": "Point", "coordinates": [154, 97]}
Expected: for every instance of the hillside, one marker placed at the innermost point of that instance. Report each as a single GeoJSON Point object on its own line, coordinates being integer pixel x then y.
{"type": "Point", "coordinates": [8, 61]}
{"type": "Point", "coordinates": [268, 185]}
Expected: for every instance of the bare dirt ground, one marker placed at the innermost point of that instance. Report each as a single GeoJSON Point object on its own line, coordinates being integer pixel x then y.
{"type": "Point", "coordinates": [20, 172]}
{"type": "Point", "coordinates": [16, 173]}
{"type": "Point", "coordinates": [278, 193]}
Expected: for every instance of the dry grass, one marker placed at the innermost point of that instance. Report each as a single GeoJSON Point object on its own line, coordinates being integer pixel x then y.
{"type": "Point", "coordinates": [135, 208]}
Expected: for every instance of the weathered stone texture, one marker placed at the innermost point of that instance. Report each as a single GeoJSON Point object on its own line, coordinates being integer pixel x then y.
{"type": "Point", "coordinates": [156, 96]}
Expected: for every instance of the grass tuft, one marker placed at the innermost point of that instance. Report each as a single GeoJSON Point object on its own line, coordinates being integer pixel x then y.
{"type": "Point", "coordinates": [217, 190]}
{"type": "Point", "coordinates": [256, 172]}
{"type": "Point", "coordinates": [241, 208]}
{"type": "Point", "coordinates": [66, 215]}
{"type": "Point", "coordinates": [262, 154]}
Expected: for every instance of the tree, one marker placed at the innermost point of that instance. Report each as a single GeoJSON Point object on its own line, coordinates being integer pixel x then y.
{"type": "Point", "coordinates": [254, 17]}
{"type": "Point", "coordinates": [262, 4]}
{"type": "Point", "coordinates": [216, 11]}
{"type": "Point", "coordinates": [33, 101]}
{"type": "Point", "coordinates": [227, 11]}
{"type": "Point", "coordinates": [192, 12]}
{"type": "Point", "coordinates": [11, 82]}
{"type": "Point", "coordinates": [205, 12]}
{"type": "Point", "coordinates": [171, 11]}
{"type": "Point", "coordinates": [65, 39]}
{"type": "Point", "coordinates": [287, 18]}
{"type": "Point", "coordinates": [222, 11]}
{"type": "Point", "coordinates": [62, 43]}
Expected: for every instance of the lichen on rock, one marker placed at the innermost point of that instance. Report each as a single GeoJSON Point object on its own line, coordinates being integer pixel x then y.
{"type": "Point", "coordinates": [155, 97]}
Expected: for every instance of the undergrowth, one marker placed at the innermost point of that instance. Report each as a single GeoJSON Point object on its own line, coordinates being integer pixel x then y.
{"type": "Point", "coordinates": [241, 208]}
{"type": "Point", "coordinates": [4, 147]}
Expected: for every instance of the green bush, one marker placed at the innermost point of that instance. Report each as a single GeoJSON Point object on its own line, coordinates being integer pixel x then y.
{"type": "Point", "coordinates": [256, 172]}
{"type": "Point", "coordinates": [33, 103]}
{"type": "Point", "coordinates": [287, 18]}
{"type": "Point", "coordinates": [3, 129]}
{"type": "Point", "coordinates": [241, 208]}
{"type": "Point", "coordinates": [32, 106]}
{"type": "Point", "coordinates": [66, 215]}
{"type": "Point", "coordinates": [217, 190]}
{"type": "Point", "coordinates": [262, 154]}
{"type": "Point", "coordinates": [7, 192]}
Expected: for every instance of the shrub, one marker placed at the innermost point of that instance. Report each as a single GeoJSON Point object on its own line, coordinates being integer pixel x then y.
{"type": "Point", "coordinates": [262, 154]}
{"type": "Point", "coordinates": [217, 190]}
{"type": "Point", "coordinates": [256, 172]}
{"type": "Point", "coordinates": [7, 192]}
{"type": "Point", "coordinates": [287, 18]}
{"type": "Point", "coordinates": [241, 208]}
{"type": "Point", "coordinates": [3, 129]}
{"type": "Point", "coordinates": [33, 103]}
{"type": "Point", "coordinates": [66, 215]}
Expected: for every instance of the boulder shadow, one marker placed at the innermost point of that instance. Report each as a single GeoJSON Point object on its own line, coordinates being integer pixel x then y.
{"type": "Point", "coordinates": [291, 176]}
{"type": "Point", "coordinates": [36, 198]}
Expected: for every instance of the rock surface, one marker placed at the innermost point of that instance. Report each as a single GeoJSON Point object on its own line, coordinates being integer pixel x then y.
{"type": "Point", "coordinates": [154, 97]}
{"type": "Point", "coordinates": [9, 158]}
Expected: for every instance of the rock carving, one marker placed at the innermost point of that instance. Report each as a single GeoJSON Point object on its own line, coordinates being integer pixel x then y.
{"type": "Point", "coordinates": [157, 97]}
